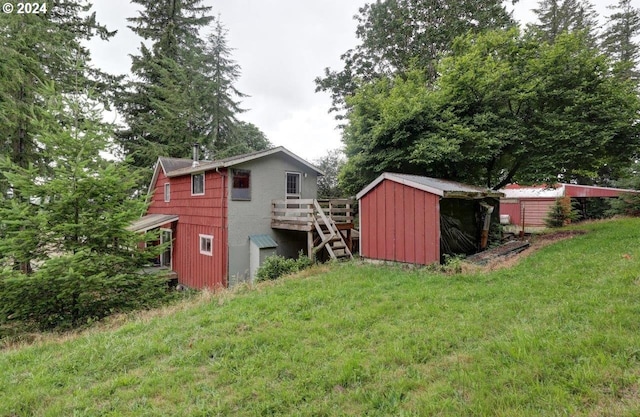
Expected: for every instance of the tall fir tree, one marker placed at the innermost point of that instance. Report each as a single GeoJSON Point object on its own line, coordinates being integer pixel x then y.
{"type": "Point", "coordinates": [619, 38]}
{"type": "Point", "coordinates": [558, 16]}
{"type": "Point", "coordinates": [221, 96]}
{"type": "Point", "coordinates": [160, 104]}
{"type": "Point", "coordinates": [82, 202]}
{"type": "Point", "coordinates": [36, 49]}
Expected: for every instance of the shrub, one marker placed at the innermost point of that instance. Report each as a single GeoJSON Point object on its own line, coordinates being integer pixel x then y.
{"type": "Point", "coordinates": [561, 213]}
{"type": "Point", "coordinates": [276, 266]}
{"type": "Point", "coordinates": [74, 290]}
{"type": "Point", "coordinates": [627, 204]}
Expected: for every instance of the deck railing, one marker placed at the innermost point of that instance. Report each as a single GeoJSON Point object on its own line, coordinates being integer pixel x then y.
{"type": "Point", "coordinates": [299, 214]}
{"type": "Point", "coordinates": [339, 209]}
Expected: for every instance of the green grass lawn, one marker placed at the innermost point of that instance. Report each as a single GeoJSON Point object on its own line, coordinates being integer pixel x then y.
{"type": "Point", "coordinates": [556, 335]}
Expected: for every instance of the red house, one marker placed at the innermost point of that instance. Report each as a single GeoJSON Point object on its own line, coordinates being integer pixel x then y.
{"type": "Point", "coordinates": [215, 213]}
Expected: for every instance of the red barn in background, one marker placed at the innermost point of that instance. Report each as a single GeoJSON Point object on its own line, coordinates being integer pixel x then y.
{"type": "Point", "coordinates": [534, 202]}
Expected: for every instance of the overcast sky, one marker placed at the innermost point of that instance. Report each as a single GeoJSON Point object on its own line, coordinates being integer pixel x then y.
{"type": "Point", "coordinates": [281, 46]}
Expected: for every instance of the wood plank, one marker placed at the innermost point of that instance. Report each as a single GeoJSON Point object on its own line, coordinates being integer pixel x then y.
{"type": "Point", "coordinates": [306, 201]}
{"type": "Point", "coordinates": [293, 210]}
{"type": "Point", "coordinates": [288, 226]}
{"type": "Point", "coordinates": [292, 219]}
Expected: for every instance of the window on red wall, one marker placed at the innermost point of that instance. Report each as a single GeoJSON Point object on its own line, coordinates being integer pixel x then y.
{"type": "Point", "coordinates": [241, 185]}
{"type": "Point", "coordinates": [197, 184]}
{"type": "Point", "coordinates": [167, 192]}
{"type": "Point", "coordinates": [206, 245]}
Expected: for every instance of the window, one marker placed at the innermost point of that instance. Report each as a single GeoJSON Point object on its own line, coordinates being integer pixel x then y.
{"type": "Point", "coordinates": [197, 184]}
{"type": "Point", "coordinates": [206, 245]}
{"type": "Point", "coordinates": [166, 236]}
{"type": "Point", "coordinates": [292, 185]}
{"type": "Point", "coordinates": [167, 192]}
{"type": "Point", "coordinates": [241, 185]}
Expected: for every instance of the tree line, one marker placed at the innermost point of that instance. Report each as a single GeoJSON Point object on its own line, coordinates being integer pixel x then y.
{"type": "Point", "coordinates": [461, 91]}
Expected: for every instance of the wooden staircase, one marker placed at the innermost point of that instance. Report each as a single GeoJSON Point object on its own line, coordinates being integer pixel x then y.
{"type": "Point", "coordinates": [328, 223]}
{"type": "Point", "coordinates": [329, 236]}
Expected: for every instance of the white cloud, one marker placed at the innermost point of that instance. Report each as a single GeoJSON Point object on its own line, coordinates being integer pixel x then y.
{"type": "Point", "coordinates": [308, 132]}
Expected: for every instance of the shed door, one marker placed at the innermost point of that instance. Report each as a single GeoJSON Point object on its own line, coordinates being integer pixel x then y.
{"type": "Point", "coordinates": [535, 212]}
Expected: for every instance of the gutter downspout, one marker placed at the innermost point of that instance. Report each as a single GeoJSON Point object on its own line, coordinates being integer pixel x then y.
{"type": "Point", "coordinates": [225, 223]}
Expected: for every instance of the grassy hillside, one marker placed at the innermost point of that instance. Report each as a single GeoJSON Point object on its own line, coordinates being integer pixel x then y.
{"type": "Point", "coordinates": [558, 334]}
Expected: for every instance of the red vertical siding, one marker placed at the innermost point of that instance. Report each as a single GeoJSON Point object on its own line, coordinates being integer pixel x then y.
{"type": "Point", "coordinates": [207, 215]}
{"type": "Point", "coordinates": [390, 209]}
{"type": "Point", "coordinates": [381, 220]}
{"type": "Point", "coordinates": [400, 244]}
{"type": "Point", "coordinates": [513, 210]}
{"type": "Point", "coordinates": [409, 224]}
{"type": "Point", "coordinates": [419, 241]}
{"type": "Point", "coordinates": [400, 223]}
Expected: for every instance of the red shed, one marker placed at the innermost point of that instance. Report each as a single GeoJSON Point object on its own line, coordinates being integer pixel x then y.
{"type": "Point", "coordinates": [402, 218]}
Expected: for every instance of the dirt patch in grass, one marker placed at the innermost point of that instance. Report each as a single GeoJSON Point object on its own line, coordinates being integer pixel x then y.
{"type": "Point", "coordinates": [537, 242]}
{"type": "Point", "coordinates": [557, 235]}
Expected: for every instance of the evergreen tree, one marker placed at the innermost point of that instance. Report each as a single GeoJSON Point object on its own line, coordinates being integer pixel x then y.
{"type": "Point", "coordinates": [618, 39]}
{"type": "Point", "coordinates": [558, 16]}
{"type": "Point", "coordinates": [220, 95]}
{"type": "Point", "coordinates": [161, 105]}
{"type": "Point", "coordinates": [36, 50]}
{"type": "Point", "coordinates": [82, 203]}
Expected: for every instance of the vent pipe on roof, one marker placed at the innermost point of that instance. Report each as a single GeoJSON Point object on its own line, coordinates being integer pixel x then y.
{"type": "Point", "coordinates": [195, 155]}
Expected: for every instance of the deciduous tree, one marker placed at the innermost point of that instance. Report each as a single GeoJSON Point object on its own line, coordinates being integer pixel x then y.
{"type": "Point", "coordinates": [330, 164]}
{"type": "Point", "coordinates": [398, 35]}
{"type": "Point", "coordinates": [506, 107]}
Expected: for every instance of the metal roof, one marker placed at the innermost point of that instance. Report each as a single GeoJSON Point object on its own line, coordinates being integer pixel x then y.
{"type": "Point", "coordinates": [263, 241]}
{"type": "Point", "coordinates": [560, 190]}
{"type": "Point", "coordinates": [533, 192]}
{"type": "Point", "coordinates": [151, 221]}
{"type": "Point", "coordinates": [443, 188]}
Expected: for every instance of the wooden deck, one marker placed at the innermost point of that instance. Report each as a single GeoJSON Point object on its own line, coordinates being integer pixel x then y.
{"type": "Point", "coordinates": [328, 223]}
{"type": "Point", "coordinates": [301, 214]}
